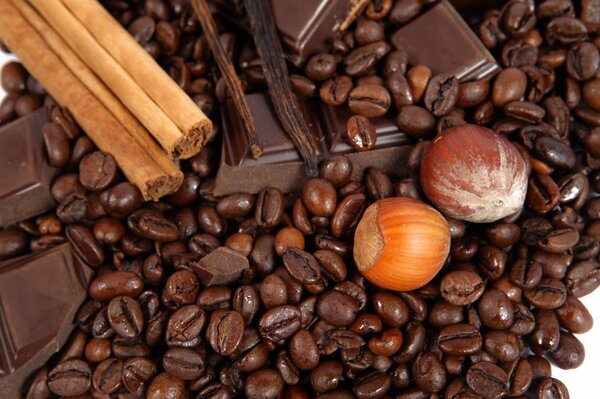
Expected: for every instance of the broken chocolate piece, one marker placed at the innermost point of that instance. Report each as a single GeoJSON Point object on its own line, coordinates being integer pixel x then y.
{"type": "Point", "coordinates": [25, 172]}
{"type": "Point", "coordinates": [440, 39]}
{"type": "Point", "coordinates": [39, 296]}
{"type": "Point", "coordinates": [223, 266]}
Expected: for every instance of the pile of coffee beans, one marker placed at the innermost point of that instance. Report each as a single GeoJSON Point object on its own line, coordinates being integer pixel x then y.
{"type": "Point", "coordinates": [300, 321]}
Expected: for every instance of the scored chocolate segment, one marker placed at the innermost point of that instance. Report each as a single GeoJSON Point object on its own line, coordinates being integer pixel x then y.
{"type": "Point", "coordinates": [39, 296]}
{"type": "Point", "coordinates": [441, 40]}
{"type": "Point", "coordinates": [24, 170]}
{"type": "Point", "coordinates": [222, 266]}
{"type": "Point", "coordinates": [281, 166]}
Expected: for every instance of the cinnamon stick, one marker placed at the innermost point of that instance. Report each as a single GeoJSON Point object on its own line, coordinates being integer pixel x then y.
{"type": "Point", "coordinates": [232, 81]}
{"type": "Point", "coordinates": [148, 75]}
{"type": "Point", "coordinates": [276, 73]}
{"type": "Point", "coordinates": [108, 134]}
{"type": "Point", "coordinates": [96, 86]}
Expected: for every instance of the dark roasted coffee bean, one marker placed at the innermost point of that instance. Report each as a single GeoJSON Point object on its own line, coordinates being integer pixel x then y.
{"type": "Point", "coordinates": [269, 207]}
{"type": "Point", "coordinates": [517, 18]}
{"type": "Point", "coordinates": [574, 316]}
{"type": "Point", "coordinates": [303, 86]}
{"type": "Point", "coordinates": [181, 288]}
{"type": "Point", "coordinates": [285, 366]}
{"type": "Point", "coordinates": [372, 385]}
{"type": "Point", "coordinates": [502, 345]}
{"type": "Point", "coordinates": [361, 60]}
{"type": "Point", "coordinates": [337, 169]}
{"type": "Point", "coordinates": [387, 344]}
{"type": "Point", "coordinates": [461, 287]}
{"type": "Point", "coordinates": [554, 152]}
{"type": "Point", "coordinates": [443, 314]}
{"type": "Point", "coordinates": [399, 89]}
{"type": "Point", "coordinates": [460, 339]}
{"type": "Point", "coordinates": [570, 352]}
{"type": "Point", "coordinates": [97, 171]}
{"type": "Point", "coordinates": [441, 94]}
{"type": "Point", "coordinates": [327, 376]}
{"type": "Point", "coordinates": [337, 308]}
{"type": "Point", "coordinates": [369, 100]}
{"type": "Point", "coordinates": [85, 244]}
{"type": "Point", "coordinates": [583, 278]}
{"type": "Point", "coordinates": [320, 67]}
{"type": "Point", "coordinates": [122, 199]}
{"type": "Point", "coordinates": [429, 372]}
{"type": "Point", "coordinates": [13, 77]}
{"type": "Point", "coordinates": [548, 294]}
{"type": "Point", "coordinates": [305, 268]}
{"type": "Point", "coordinates": [107, 376]}
{"type": "Point", "coordinates": [496, 310]}
{"type": "Point", "coordinates": [415, 121]}
{"type": "Point", "coordinates": [491, 261]}
{"type": "Point", "coordinates": [13, 242]}
{"type": "Point", "coordinates": [546, 334]}
{"type": "Point", "coordinates": [360, 133]}
{"type": "Point", "coordinates": [280, 323]}
{"type": "Point", "coordinates": [487, 379]}
{"type": "Point", "coordinates": [73, 208]}
{"type": "Point", "coordinates": [110, 285]}
{"type": "Point", "coordinates": [542, 194]}
{"type": "Point", "coordinates": [583, 60]}
{"type": "Point", "coordinates": [57, 144]}
{"type": "Point", "coordinates": [551, 388]}
{"type": "Point", "coordinates": [517, 53]}
{"type": "Point", "coordinates": [413, 342]}
{"type": "Point", "coordinates": [303, 350]}
{"type": "Point", "coordinates": [70, 378]}
{"type": "Point", "coordinates": [520, 376]}
{"type": "Point", "coordinates": [136, 375]}
{"type": "Point", "coordinates": [510, 85]}
{"type": "Point", "coordinates": [185, 326]}
{"type": "Point", "coordinates": [166, 386]}
{"type": "Point", "coordinates": [559, 241]}
{"type": "Point", "coordinates": [125, 316]}
{"type": "Point", "coordinates": [390, 308]}
{"type": "Point", "coordinates": [378, 183]}
{"type": "Point", "coordinates": [183, 363]}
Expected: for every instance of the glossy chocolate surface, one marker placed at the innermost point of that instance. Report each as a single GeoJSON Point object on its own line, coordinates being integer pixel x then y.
{"type": "Point", "coordinates": [24, 171]}
{"type": "Point", "coordinates": [281, 165]}
{"type": "Point", "coordinates": [39, 295]}
{"type": "Point", "coordinates": [440, 39]}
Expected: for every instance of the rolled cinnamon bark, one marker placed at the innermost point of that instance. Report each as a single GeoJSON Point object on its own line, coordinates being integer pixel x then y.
{"type": "Point", "coordinates": [102, 127]}
{"type": "Point", "coordinates": [174, 102]}
{"type": "Point", "coordinates": [96, 86]}
{"type": "Point", "coordinates": [94, 55]}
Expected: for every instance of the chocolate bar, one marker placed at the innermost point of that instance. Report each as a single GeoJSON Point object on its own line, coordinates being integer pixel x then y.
{"type": "Point", "coordinates": [281, 165]}
{"type": "Point", "coordinates": [440, 39]}
{"type": "Point", "coordinates": [476, 5]}
{"type": "Point", "coordinates": [24, 170]}
{"type": "Point", "coordinates": [39, 296]}
{"type": "Point", "coordinates": [305, 26]}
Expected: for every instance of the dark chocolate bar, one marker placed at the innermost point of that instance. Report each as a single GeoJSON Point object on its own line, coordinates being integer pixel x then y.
{"type": "Point", "coordinates": [305, 25]}
{"type": "Point", "coordinates": [281, 165]}
{"type": "Point", "coordinates": [476, 5]}
{"type": "Point", "coordinates": [39, 296]}
{"type": "Point", "coordinates": [24, 170]}
{"type": "Point", "coordinates": [440, 39]}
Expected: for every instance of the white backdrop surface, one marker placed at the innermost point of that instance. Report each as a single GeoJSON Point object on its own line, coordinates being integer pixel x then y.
{"type": "Point", "coordinates": [580, 381]}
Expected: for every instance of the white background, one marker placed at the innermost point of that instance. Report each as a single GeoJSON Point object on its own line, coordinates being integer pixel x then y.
{"type": "Point", "coordinates": [578, 381]}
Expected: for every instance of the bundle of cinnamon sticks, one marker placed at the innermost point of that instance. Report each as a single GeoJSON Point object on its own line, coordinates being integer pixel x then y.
{"type": "Point", "coordinates": [119, 95]}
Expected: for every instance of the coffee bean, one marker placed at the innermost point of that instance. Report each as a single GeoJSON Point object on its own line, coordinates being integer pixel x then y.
{"type": "Point", "coordinates": [183, 363]}
{"type": "Point", "coordinates": [13, 242]}
{"type": "Point", "coordinates": [369, 100]}
{"type": "Point", "coordinates": [360, 133]}
{"type": "Point", "coordinates": [509, 86]}
{"type": "Point", "coordinates": [415, 121]}
{"type": "Point", "coordinates": [304, 351]}
{"type": "Point", "coordinates": [85, 244]}
{"type": "Point", "coordinates": [460, 339]}
{"type": "Point", "coordinates": [570, 352]}
{"type": "Point", "coordinates": [70, 378]}
{"type": "Point", "coordinates": [165, 385]}
{"type": "Point", "coordinates": [113, 284]}
{"type": "Point", "coordinates": [548, 294]}
{"type": "Point", "coordinates": [496, 310]}
{"type": "Point", "coordinates": [441, 94]}
{"type": "Point", "coordinates": [582, 278]}
{"type": "Point", "coordinates": [107, 376]}
{"type": "Point", "coordinates": [361, 60]}
{"type": "Point", "coordinates": [574, 316]}
{"type": "Point", "coordinates": [125, 316]}
{"type": "Point", "coordinates": [319, 197]}
{"type": "Point", "coordinates": [546, 334]}
{"type": "Point", "coordinates": [487, 379]}
{"type": "Point", "coordinates": [461, 287]}
{"type": "Point", "coordinates": [97, 171]}
{"type": "Point", "coordinates": [583, 60]}
{"type": "Point", "coordinates": [265, 383]}
{"type": "Point", "coordinates": [269, 207]}
{"type": "Point", "coordinates": [551, 388]}
{"type": "Point", "coordinates": [185, 326]}
{"type": "Point", "coordinates": [399, 89]}
{"type": "Point", "coordinates": [280, 323]}
{"type": "Point", "coordinates": [320, 67]}
{"type": "Point", "coordinates": [429, 372]}
{"type": "Point", "coordinates": [136, 375]}
{"type": "Point", "coordinates": [57, 144]}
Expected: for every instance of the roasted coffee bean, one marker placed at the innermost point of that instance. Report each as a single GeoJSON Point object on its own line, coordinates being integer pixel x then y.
{"type": "Point", "coordinates": [372, 385]}
{"type": "Point", "coordinates": [320, 67]}
{"type": "Point", "coordinates": [487, 379]}
{"type": "Point", "coordinates": [185, 326]}
{"type": "Point", "coordinates": [285, 366]}
{"type": "Point", "coordinates": [335, 91]}
{"type": "Point", "coordinates": [542, 194]}
{"type": "Point", "coordinates": [13, 77]}
{"type": "Point", "coordinates": [441, 94]}
{"type": "Point", "coordinates": [554, 152]}
{"type": "Point", "coordinates": [125, 316]}
{"type": "Point", "coordinates": [518, 53]}
{"type": "Point", "coordinates": [583, 278]}
{"type": "Point", "coordinates": [583, 60]}
{"type": "Point", "coordinates": [304, 351]}
{"type": "Point", "coordinates": [269, 207]}
{"type": "Point", "coordinates": [137, 374]}
{"type": "Point", "coordinates": [429, 372]}
{"type": "Point", "coordinates": [73, 208]}
{"type": "Point", "coordinates": [390, 308]}
{"type": "Point", "coordinates": [491, 261]}
{"type": "Point", "coordinates": [574, 316]}
{"type": "Point", "coordinates": [113, 284]}
{"type": "Point", "coordinates": [85, 244]}
{"type": "Point", "coordinates": [57, 144]}
{"type": "Point", "coordinates": [107, 376]}
{"type": "Point", "coordinates": [549, 293]}
{"type": "Point", "coordinates": [183, 363]}
{"type": "Point", "coordinates": [399, 89]}
{"type": "Point", "coordinates": [280, 323]}
{"type": "Point", "coordinates": [415, 121]}
{"type": "Point", "coordinates": [361, 60]}
{"type": "Point", "coordinates": [460, 339]}
{"type": "Point", "coordinates": [517, 18]}
{"type": "Point", "coordinates": [13, 242]}
{"type": "Point", "coordinates": [337, 308]}
{"type": "Point", "coordinates": [509, 86]}
{"type": "Point", "coordinates": [502, 345]}
{"type": "Point", "coordinates": [551, 388]}
{"type": "Point", "coordinates": [166, 386]}
{"type": "Point", "coordinates": [181, 288]}
{"type": "Point", "coordinates": [303, 86]}
{"type": "Point", "coordinates": [461, 287]}
{"type": "Point", "coordinates": [413, 342]}
{"type": "Point", "coordinates": [378, 184]}
{"type": "Point", "coordinates": [70, 378]}
{"type": "Point", "coordinates": [246, 302]}
{"type": "Point", "coordinates": [337, 169]}
{"type": "Point", "coordinates": [443, 314]}
{"type": "Point", "coordinates": [520, 376]}
{"type": "Point", "coordinates": [273, 291]}
{"type": "Point", "coordinates": [122, 199]}
{"type": "Point", "coordinates": [570, 352]}
{"type": "Point", "coordinates": [97, 171]}
{"type": "Point", "coordinates": [496, 310]}
{"type": "Point", "coordinates": [327, 376]}
{"type": "Point", "coordinates": [369, 100]}
{"type": "Point", "coordinates": [305, 268]}
{"type": "Point", "coordinates": [546, 334]}
{"type": "Point", "coordinates": [360, 133]}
